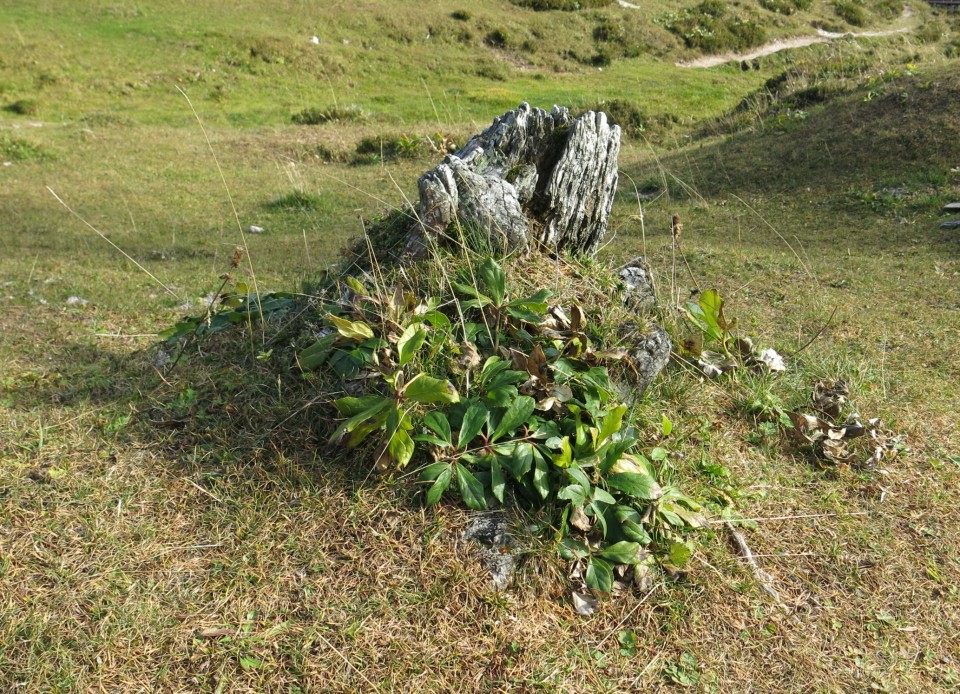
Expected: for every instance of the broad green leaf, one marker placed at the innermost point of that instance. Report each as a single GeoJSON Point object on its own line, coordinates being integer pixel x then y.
{"type": "Point", "coordinates": [424, 388]}
{"type": "Point", "coordinates": [401, 447]}
{"type": "Point", "coordinates": [536, 303]}
{"type": "Point", "coordinates": [494, 279]}
{"type": "Point", "coordinates": [628, 643]}
{"type": "Point", "coordinates": [497, 483]}
{"type": "Point", "coordinates": [362, 431]}
{"type": "Point", "coordinates": [438, 423]}
{"type": "Point", "coordinates": [599, 575]}
{"type": "Point", "coordinates": [432, 471]}
{"type": "Point", "coordinates": [631, 524]}
{"type": "Point", "coordinates": [603, 496]}
{"type": "Point", "coordinates": [473, 420]}
{"type": "Point", "coordinates": [636, 532]}
{"type": "Point", "coordinates": [380, 405]}
{"type": "Point", "coordinates": [679, 554]}
{"type": "Point", "coordinates": [350, 406]}
{"type": "Point", "coordinates": [597, 513]}
{"type": "Point", "coordinates": [250, 663]}
{"type": "Point", "coordinates": [314, 356]}
{"type": "Point", "coordinates": [634, 463]}
{"type": "Point", "coordinates": [356, 285]}
{"type": "Point", "coordinates": [622, 553]}
{"type": "Point", "coordinates": [470, 489]}
{"type": "Point", "coordinates": [353, 330]}
{"type": "Point", "coordinates": [430, 438]}
{"type": "Point", "coordinates": [666, 425]}
{"type": "Point", "coordinates": [658, 454]}
{"type": "Point", "coordinates": [611, 423]}
{"type": "Point", "coordinates": [573, 493]}
{"type": "Point", "coordinates": [502, 396]}
{"type": "Point", "coordinates": [637, 485]}
{"type": "Point", "coordinates": [711, 305]}
{"type": "Point", "coordinates": [436, 319]}
{"type": "Point", "coordinates": [572, 549]}
{"type": "Point", "coordinates": [518, 412]}
{"type": "Point", "coordinates": [525, 314]}
{"type": "Point", "coordinates": [491, 368]}
{"type": "Point", "coordinates": [520, 460]}
{"type": "Point", "coordinates": [439, 485]}
{"type": "Point", "coordinates": [410, 341]}
{"type": "Point", "coordinates": [565, 456]}
{"type": "Point", "coordinates": [541, 474]}
{"type": "Point", "coordinates": [469, 290]}
{"type": "Point", "coordinates": [480, 303]}
{"type": "Point", "coordinates": [618, 444]}
{"type": "Point", "coordinates": [580, 477]}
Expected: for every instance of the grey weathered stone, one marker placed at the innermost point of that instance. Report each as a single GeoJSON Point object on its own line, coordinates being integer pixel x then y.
{"type": "Point", "coordinates": [532, 177]}
{"type": "Point", "coordinates": [650, 355]}
{"type": "Point", "coordinates": [491, 530]}
{"type": "Point", "coordinates": [638, 289]}
{"type": "Point", "coordinates": [952, 224]}
{"type": "Point", "coordinates": [649, 347]}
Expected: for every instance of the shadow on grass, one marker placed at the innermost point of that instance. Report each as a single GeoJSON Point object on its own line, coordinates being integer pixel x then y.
{"type": "Point", "coordinates": [228, 407]}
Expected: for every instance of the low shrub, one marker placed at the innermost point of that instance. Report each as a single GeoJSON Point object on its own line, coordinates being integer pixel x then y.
{"type": "Point", "coordinates": [625, 113]}
{"type": "Point", "coordinates": [786, 7]}
{"type": "Point", "coordinates": [376, 148]}
{"type": "Point", "coordinates": [850, 12]}
{"type": "Point", "coordinates": [709, 28]}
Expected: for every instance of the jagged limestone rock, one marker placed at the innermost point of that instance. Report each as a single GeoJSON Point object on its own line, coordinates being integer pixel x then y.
{"type": "Point", "coordinates": [531, 178]}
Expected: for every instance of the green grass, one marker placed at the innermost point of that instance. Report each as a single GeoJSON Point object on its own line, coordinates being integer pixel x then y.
{"type": "Point", "coordinates": [188, 530]}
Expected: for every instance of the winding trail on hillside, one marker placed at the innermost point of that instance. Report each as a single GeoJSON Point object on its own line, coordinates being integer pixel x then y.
{"type": "Point", "coordinates": [778, 45]}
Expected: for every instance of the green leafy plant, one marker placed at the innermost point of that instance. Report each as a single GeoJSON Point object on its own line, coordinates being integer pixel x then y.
{"type": "Point", "coordinates": [715, 347]}
{"type": "Point", "coordinates": [505, 400]}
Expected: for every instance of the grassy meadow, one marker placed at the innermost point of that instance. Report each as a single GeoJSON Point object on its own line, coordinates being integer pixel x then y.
{"type": "Point", "coordinates": [186, 529]}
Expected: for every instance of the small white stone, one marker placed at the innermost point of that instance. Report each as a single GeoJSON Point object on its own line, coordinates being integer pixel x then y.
{"type": "Point", "coordinates": [76, 301]}
{"type": "Point", "coordinates": [254, 229]}
{"type": "Point", "coordinates": [315, 40]}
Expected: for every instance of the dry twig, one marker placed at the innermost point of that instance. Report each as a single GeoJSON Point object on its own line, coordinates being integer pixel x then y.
{"type": "Point", "coordinates": [765, 579]}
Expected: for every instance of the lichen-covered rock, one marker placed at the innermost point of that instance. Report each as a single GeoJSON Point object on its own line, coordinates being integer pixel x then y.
{"type": "Point", "coordinates": [531, 177]}
{"type": "Point", "coordinates": [649, 347]}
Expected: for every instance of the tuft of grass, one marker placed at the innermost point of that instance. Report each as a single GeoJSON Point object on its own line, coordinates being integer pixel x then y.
{"type": "Point", "coordinates": [561, 5]}
{"type": "Point", "coordinates": [332, 114]}
{"type": "Point", "coordinates": [297, 200]}
{"type": "Point", "coordinates": [375, 148]}
{"type": "Point", "coordinates": [14, 148]}
{"type": "Point", "coordinates": [23, 107]}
